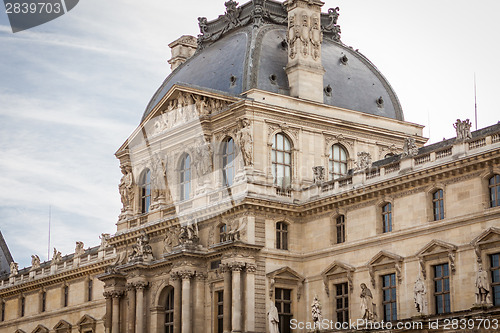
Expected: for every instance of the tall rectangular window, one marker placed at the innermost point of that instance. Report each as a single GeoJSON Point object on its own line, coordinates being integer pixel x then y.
{"type": "Point", "coordinates": [44, 301]}
{"type": "Point", "coordinates": [220, 311]}
{"type": "Point", "coordinates": [495, 278]}
{"type": "Point", "coordinates": [65, 296]}
{"type": "Point", "coordinates": [389, 297]}
{"type": "Point", "coordinates": [282, 236]}
{"type": "Point", "coordinates": [90, 287]}
{"type": "Point", "coordinates": [2, 312]}
{"type": "Point", "coordinates": [340, 226]}
{"type": "Point", "coordinates": [438, 205]}
{"type": "Point", "coordinates": [387, 217]}
{"type": "Point", "coordinates": [342, 302]}
{"type": "Point", "coordinates": [442, 288]}
{"type": "Point", "coordinates": [494, 188]}
{"type": "Point", "coordinates": [169, 312]}
{"type": "Point", "coordinates": [23, 305]}
{"type": "Point", "coordinates": [283, 301]}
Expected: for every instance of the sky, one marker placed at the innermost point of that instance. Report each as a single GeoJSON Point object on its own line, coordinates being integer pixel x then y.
{"type": "Point", "coordinates": [72, 91]}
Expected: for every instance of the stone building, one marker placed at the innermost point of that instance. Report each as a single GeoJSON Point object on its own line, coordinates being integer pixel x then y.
{"type": "Point", "coordinates": [273, 184]}
{"type": "Point", "coordinates": [5, 257]}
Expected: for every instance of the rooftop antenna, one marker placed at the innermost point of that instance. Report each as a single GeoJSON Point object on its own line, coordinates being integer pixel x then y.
{"type": "Point", "coordinates": [48, 248]}
{"type": "Point", "coordinates": [475, 101]}
{"type": "Point", "coordinates": [429, 123]}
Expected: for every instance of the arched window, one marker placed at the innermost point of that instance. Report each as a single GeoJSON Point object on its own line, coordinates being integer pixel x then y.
{"type": "Point", "coordinates": [337, 162]}
{"type": "Point", "coordinates": [169, 312]}
{"type": "Point", "coordinates": [228, 161]}
{"type": "Point", "coordinates": [437, 205]}
{"type": "Point", "coordinates": [282, 160]}
{"type": "Point", "coordinates": [282, 236]}
{"type": "Point", "coordinates": [494, 187]}
{"type": "Point", "coordinates": [145, 184]}
{"type": "Point", "coordinates": [387, 217]}
{"type": "Point", "coordinates": [185, 177]}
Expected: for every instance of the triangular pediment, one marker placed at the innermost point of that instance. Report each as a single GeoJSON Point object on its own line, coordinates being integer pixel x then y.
{"type": "Point", "coordinates": [490, 235]}
{"type": "Point", "coordinates": [385, 257]}
{"type": "Point", "coordinates": [19, 331]}
{"type": "Point", "coordinates": [40, 329]}
{"type": "Point", "coordinates": [86, 319]}
{"type": "Point", "coordinates": [62, 324]}
{"type": "Point", "coordinates": [435, 247]}
{"type": "Point", "coordinates": [286, 273]}
{"type": "Point", "coordinates": [337, 267]}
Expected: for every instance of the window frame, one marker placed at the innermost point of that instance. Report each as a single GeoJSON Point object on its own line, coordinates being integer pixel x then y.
{"type": "Point", "coordinates": [332, 161]}
{"type": "Point", "coordinates": [222, 230]}
{"type": "Point", "coordinates": [494, 183]}
{"type": "Point", "coordinates": [65, 293]}
{"type": "Point", "coordinates": [283, 166]}
{"type": "Point", "coordinates": [494, 285]}
{"type": "Point", "coordinates": [437, 198]}
{"type": "Point", "coordinates": [393, 303]}
{"type": "Point", "coordinates": [145, 191]}
{"type": "Point", "coordinates": [387, 217]}
{"type": "Point", "coordinates": [185, 176]}
{"type": "Point", "coordinates": [90, 290]}
{"type": "Point", "coordinates": [228, 165]}
{"type": "Point", "coordinates": [282, 235]}
{"type": "Point", "coordinates": [43, 301]}
{"type": "Point", "coordinates": [169, 311]}
{"type": "Point", "coordinates": [219, 313]}
{"type": "Point", "coordinates": [445, 294]}
{"type": "Point", "coordinates": [344, 297]}
{"type": "Point", "coordinates": [340, 229]}
{"type": "Point", "coordinates": [281, 304]}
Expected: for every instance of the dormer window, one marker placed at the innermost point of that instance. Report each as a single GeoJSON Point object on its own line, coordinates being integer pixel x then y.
{"type": "Point", "coordinates": [145, 185]}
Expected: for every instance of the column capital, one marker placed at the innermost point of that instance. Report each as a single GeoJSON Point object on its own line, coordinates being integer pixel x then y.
{"type": "Point", "coordinates": [130, 286]}
{"type": "Point", "coordinates": [201, 276]}
{"type": "Point", "coordinates": [117, 293]}
{"type": "Point", "coordinates": [107, 294]}
{"type": "Point", "coordinates": [237, 266]}
{"type": "Point", "coordinates": [186, 275]}
{"type": "Point", "coordinates": [251, 268]}
{"type": "Point", "coordinates": [141, 285]}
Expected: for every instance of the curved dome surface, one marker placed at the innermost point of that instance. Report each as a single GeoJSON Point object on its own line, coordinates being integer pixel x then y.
{"type": "Point", "coordinates": [251, 57]}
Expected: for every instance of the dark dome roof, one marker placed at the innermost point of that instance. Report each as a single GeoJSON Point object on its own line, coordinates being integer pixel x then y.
{"type": "Point", "coordinates": [254, 57]}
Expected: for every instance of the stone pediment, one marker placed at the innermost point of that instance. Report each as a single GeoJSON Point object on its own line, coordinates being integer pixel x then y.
{"type": "Point", "coordinates": [62, 324]}
{"type": "Point", "coordinates": [337, 267]}
{"type": "Point", "coordinates": [286, 273]}
{"type": "Point", "coordinates": [436, 247]}
{"type": "Point", "coordinates": [40, 329]}
{"type": "Point", "coordinates": [86, 320]}
{"type": "Point", "coordinates": [19, 331]}
{"type": "Point", "coordinates": [490, 235]}
{"type": "Point", "coordinates": [385, 257]}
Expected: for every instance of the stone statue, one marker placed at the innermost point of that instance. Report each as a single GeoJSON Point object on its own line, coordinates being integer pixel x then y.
{"type": "Point", "coordinates": [237, 228]}
{"type": "Point", "coordinates": [482, 286]}
{"type": "Point", "coordinates": [317, 317]}
{"type": "Point", "coordinates": [410, 148]}
{"type": "Point", "coordinates": [245, 141]}
{"type": "Point", "coordinates": [79, 250]}
{"type": "Point", "coordinates": [273, 318]}
{"type": "Point", "coordinates": [189, 234]}
{"type": "Point", "coordinates": [367, 306]}
{"type": "Point", "coordinates": [125, 187]}
{"type": "Point", "coordinates": [171, 239]}
{"type": "Point", "coordinates": [293, 35]}
{"type": "Point", "coordinates": [232, 14]}
{"type": "Point", "coordinates": [203, 158]}
{"type": "Point", "coordinates": [157, 184]}
{"type": "Point", "coordinates": [463, 129]}
{"type": "Point", "coordinates": [319, 174]}
{"type": "Point", "coordinates": [14, 269]}
{"type": "Point", "coordinates": [203, 24]}
{"type": "Point", "coordinates": [419, 295]}
{"type": "Point", "coordinates": [141, 251]}
{"type": "Point", "coordinates": [56, 257]}
{"type": "Point", "coordinates": [364, 160]}
{"type": "Point", "coordinates": [35, 262]}
{"type": "Point", "coordinates": [104, 241]}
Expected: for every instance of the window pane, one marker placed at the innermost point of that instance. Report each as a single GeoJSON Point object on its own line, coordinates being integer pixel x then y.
{"type": "Point", "coordinates": [287, 144]}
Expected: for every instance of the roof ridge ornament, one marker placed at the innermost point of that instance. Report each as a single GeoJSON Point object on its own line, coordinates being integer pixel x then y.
{"type": "Point", "coordinates": [332, 27]}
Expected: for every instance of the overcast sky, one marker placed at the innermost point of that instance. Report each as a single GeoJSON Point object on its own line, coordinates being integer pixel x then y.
{"type": "Point", "coordinates": [72, 90]}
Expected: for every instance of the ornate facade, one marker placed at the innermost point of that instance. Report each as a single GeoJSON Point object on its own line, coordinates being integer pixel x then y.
{"type": "Point", "coordinates": [277, 191]}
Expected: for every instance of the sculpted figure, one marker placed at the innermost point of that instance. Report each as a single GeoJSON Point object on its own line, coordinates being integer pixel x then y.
{"type": "Point", "coordinates": [482, 286]}
{"type": "Point", "coordinates": [56, 257]}
{"type": "Point", "coordinates": [245, 141]}
{"type": "Point", "coordinates": [14, 269]}
{"type": "Point", "coordinates": [79, 250]}
{"type": "Point", "coordinates": [410, 148]}
{"type": "Point", "coordinates": [367, 306]}
{"type": "Point", "coordinates": [171, 239]}
{"type": "Point", "coordinates": [419, 292]}
{"type": "Point", "coordinates": [463, 129]}
{"type": "Point", "coordinates": [364, 160]}
{"type": "Point", "coordinates": [125, 188]}
{"type": "Point", "coordinates": [35, 262]}
{"type": "Point", "coordinates": [273, 318]}
{"type": "Point", "coordinates": [293, 35]}
{"type": "Point", "coordinates": [316, 312]}
{"type": "Point", "coordinates": [141, 250]}
{"type": "Point", "coordinates": [319, 174]}
{"type": "Point", "coordinates": [104, 241]}
{"type": "Point", "coordinates": [189, 234]}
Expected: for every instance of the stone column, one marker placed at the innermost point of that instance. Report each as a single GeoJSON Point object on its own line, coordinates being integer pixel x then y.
{"type": "Point", "coordinates": [199, 302]}
{"type": "Point", "coordinates": [177, 303]}
{"type": "Point", "coordinates": [109, 310]}
{"type": "Point", "coordinates": [250, 298]}
{"type": "Point", "coordinates": [115, 325]}
{"type": "Point", "coordinates": [186, 302]}
{"type": "Point", "coordinates": [236, 309]}
{"type": "Point", "coordinates": [227, 299]}
{"type": "Point", "coordinates": [131, 308]}
{"type": "Point", "coordinates": [139, 321]}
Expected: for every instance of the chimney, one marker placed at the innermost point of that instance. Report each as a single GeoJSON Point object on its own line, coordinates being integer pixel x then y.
{"type": "Point", "coordinates": [182, 49]}
{"type": "Point", "coordinates": [304, 69]}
